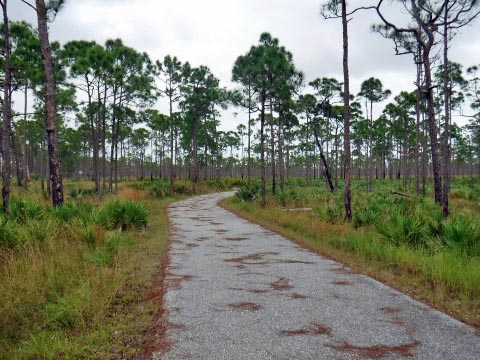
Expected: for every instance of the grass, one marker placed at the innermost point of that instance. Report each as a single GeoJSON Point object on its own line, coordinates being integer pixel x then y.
{"type": "Point", "coordinates": [84, 281]}
{"type": "Point", "coordinates": [72, 288]}
{"type": "Point", "coordinates": [397, 240]}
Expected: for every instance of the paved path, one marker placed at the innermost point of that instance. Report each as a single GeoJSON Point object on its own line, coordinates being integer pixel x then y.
{"type": "Point", "coordinates": [238, 291]}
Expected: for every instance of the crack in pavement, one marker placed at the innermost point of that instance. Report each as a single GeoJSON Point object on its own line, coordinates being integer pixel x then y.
{"type": "Point", "coordinates": [313, 308]}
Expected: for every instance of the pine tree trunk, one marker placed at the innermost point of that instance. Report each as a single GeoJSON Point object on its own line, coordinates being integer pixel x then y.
{"type": "Point", "coordinates": [433, 132]}
{"type": "Point", "coordinates": [324, 161]}
{"type": "Point", "coordinates": [262, 150]}
{"type": "Point", "coordinates": [249, 165]}
{"type": "Point", "coordinates": [272, 150]}
{"type": "Point", "coordinates": [54, 160]}
{"type": "Point", "coordinates": [7, 112]}
{"type": "Point", "coordinates": [281, 162]}
{"type": "Point", "coordinates": [346, 116]}
{"type": "Point", "coordinates": [446, 134]}
{"type": "Point", "coordinates": [23, 143]}
{"type": "Point", "coordinates": [172, 140]}
{"type": "Point", "coordinates": [417, 125]}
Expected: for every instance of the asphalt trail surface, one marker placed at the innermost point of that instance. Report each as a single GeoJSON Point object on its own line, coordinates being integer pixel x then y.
{"type": "Point", "coordinates": [238, 291]}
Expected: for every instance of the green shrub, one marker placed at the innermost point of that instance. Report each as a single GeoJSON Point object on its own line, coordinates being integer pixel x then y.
{"type": "Point", "coordinates": [134, 214]}
{"type": "Point", "coordinates": [181, 189]}
{"type": "Point", "coordinates": [282, 198]}
{"type": "Point", "coordinates": [367, 214]}
{"type": "Point", "coordinates": [399, 228]}
{"type": "Point", "coordinates": [161, 189]}
{"type": "Point", "coordinates": [23, 210]}
{"type": "Point", "coordinates": [122, 215]}
{"type": "Point", "coordinates": [8, 237]}
{"type": "Point", "coordinates": [78, 192]}
{"type": "Point", "coordinates": [73, 211]}
{"type": "Point", "coordinates": [462, 234]}
{"type": "Point", "coordinates": [334, 213]}
{"type": "Point", "coordinates": [37, 231]}
{"type": "Point", "coordinates": [248, 193]}
{"type": "Point", "coordinates": [474, 194]}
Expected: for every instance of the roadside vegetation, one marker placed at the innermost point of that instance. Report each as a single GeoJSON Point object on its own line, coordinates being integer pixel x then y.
{"type": "Point", "coordinates": [82, 280]}
{"type": "Point", "coordinates": [397, 237]}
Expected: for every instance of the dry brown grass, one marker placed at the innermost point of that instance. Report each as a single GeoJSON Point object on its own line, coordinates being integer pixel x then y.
{"type": "Point", "coordinates": [132, 194]}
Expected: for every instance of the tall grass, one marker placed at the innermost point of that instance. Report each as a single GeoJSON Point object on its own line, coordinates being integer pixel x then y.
{"type": "Point", "coordinates": [58, 272]}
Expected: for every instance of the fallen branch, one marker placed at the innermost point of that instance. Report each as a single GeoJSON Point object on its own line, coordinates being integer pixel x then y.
{"type": "Point", "coordinates": [397, 193]}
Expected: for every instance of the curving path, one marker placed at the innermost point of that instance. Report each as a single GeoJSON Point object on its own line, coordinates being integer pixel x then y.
{"type": "Point", "coordinates": [238, 291]}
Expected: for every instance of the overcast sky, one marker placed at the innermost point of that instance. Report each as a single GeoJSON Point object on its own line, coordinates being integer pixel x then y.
{"type": "Point", "coordinates": [216, 32]}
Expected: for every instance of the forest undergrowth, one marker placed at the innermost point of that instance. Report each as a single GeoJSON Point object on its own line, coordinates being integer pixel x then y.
{"type": "Point", "coordinates": [76, 281]}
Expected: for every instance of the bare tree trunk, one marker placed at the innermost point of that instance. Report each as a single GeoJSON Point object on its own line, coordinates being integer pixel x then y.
{"type": "Point", "coordinates": [172, 141]}
{"type": "Point", "coordinates": [433, 132]}
{"type": "Point", "coordinates": [281, 162]}
{"type": "Point", "coordinates": [94, 135]}
{"type": "Point", "coordinates": [272, 150]}
{"type": "Point", "coordinates": [324, 161]}
{"type": "Point", "coordinates": [54, 160]}
{"type": "Point", "coordinates": [405, 154]}
{"type": "Point", "coordinates": [424, 157]}
{"type": "Point", "coordinates": [7, 112]}
{"type": "Point", "coordinates": [23, 143]}
{"type": "Point", "coordinates": [346, 116]}
{"type": "Point", "coordinates": [113, 141]}
{"type": "Point", "coordinates": [262, 150]}
{"type": "Point", "coordinates": [104, 138]}
{"type": "Point", "coordinates": [16, 158]}
{"type": "Point", "coordinates": [195, 167]}
{"type": "Point", "coordinates": [417, 125]}
{"type": "Point", "coordinates": [249, 150]}
{"type": "Point", "coordinates": [446, 133]}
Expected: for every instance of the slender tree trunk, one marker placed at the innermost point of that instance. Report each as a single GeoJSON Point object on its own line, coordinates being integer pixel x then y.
{"type": "Point", "coordinates": [113, 141]}
{"type": "Point", "coordinates": [433, 132]}
{"type": "Point", "coordinates": [23, 142]}
{"type": "Point", "coordinates": [16, 158]}
{"type": "Point", "coordinates": [446, 133]}
{"type": "Point", "coordinates": [281, 163]}
{"type": "Point", "coordinates": [7, 111]}
{"type": "Point", "coordinates": [346, 115]}
{"type": "Point", "coordinates": [94, 136]}
{"type": "Point", "coordinates": [104, 138]}
{"type": "Point", "coordinates": [172, 141]}
{"type": "Point", "coordinates": [405, 153]}
{"type": "Point", "coordinates": [262, 150]}
{"type": "Point", "coordinates": [272, 150]}
{"type": "Point", "coordinates": [424, 157]}
{"type": "Point", "coordinates": [42, 168]}
{"type": "Point", "coordinates": [249, 149]}
{"type": "Point", "coordinates": [417, 125]}
{"type": "Point", "coordinates": [195, 172]}
{"type": "Point", "coordinates": [54, 160]}
{"type": "Point", "coordinates": [324, 161]}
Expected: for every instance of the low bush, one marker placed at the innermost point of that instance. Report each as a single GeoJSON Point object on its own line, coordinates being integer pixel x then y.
{"type": "Point", "coordinates": [23, 210]}
{"type": "Point", "coordinates": [73, 211]}
{"type": "Point", "coordinates": [400, 229]}
{"type": "Point", "coordinates": [462, 234]}
{"type": "Point", "coordinates": [122, 215]}
{"type": "Point", "coordinates": [248, 193]}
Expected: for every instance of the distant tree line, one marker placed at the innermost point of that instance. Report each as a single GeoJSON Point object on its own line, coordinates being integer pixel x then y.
{"type": "Point", "coordinates": [94, 111]}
